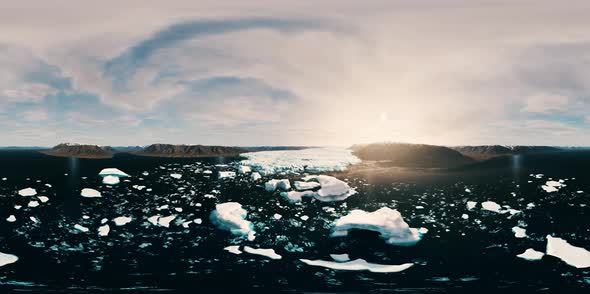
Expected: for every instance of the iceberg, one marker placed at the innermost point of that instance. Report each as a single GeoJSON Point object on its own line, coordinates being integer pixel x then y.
{"type": "Point", "coordinates": [274, 184]}
{"type": "Point", "coordinates": [7, 259]}
{"type": "Point", "coordinates": [90, 193]}
{"type": "Point", "coordinates": [112, 172]}
{"type": "Point", "coordinates": [270, 253]}
{"type": "Point", "coordinates": [122, 220]}
{"type": "Point", "coordinates": [242, 169]}
{"type": "Point", "coordinates": [231, 216]}
{"type": "Point", "coordinates": [340, 257]}
{"type": "Point", "coordinates": [255, 176]}
{"type": "Point", "coordinates": [277, 216]}
{"type": "Point", "coordinates": [226, 174]}
{"type": "Point", "coordinates": [176, 176]}
{"type": "Point", "coordinates": [519, 232]}
{"type": "Point", "coordinates": [572, 255]}
{"type": "Point", "coordinates": [531, 255]}
{"type": "Point", "coordinates": [165, 221]}
{"type": "Point", "coordinates": [358, 265]}
{"type": "Point", "coordinates": [111, 180]}
{"type": "Point", "coordinates": [491, 206]}
{"type": "Point", "coordinates": [471, 205]}
{"type": "Point", "coordinates": [552, 186]}
{"type": "Point", "coordinates": [313, 160]}
{"type": "Point", "coordinates": [388, 222]}
{"type": "Point", "coordinates": [43, 198]}
{"type": "Point", "coordinates": [302, 186]}
{"type": "Point", "coordinates": [332, 189]}
{"type": "Point", "coordinates": [33, 204]}
{"type": "Point", "coordinates": [81, 228]}
{"type": "Point", "coordinates": [233, 249]}
{"type": "Point", "coordinates": [27, 192]}
{"type": "Point", "coordinates": [11, 218]}
{"type": "Point", "coordinates": [104, 230]}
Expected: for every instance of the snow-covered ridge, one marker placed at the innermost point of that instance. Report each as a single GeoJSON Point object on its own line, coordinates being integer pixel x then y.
{"type": "Point", "coordinates": [313, 160]}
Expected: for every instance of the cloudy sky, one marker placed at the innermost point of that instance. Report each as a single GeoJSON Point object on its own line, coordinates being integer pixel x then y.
{"type": "Point", "coordinates": [294, 72]}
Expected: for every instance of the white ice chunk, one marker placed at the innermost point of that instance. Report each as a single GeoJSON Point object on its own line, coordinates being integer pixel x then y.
{"type": "Point", "coordinates": [388, 222]}
{"type": "Point", "coordinates": [531, 254]}
{"type": "Point", "coordinates": [7, 259]}
{"type": "Point", "coordinates": [198, 221]}
{"type": "Point", "coordinates": [519, 232]}
{"type": "Point", "coordinates": [471, 205]}
{"type": "Point", "coordinates": [81, 228]}
{"type": "Point", "coordinates": [274, 184]}
{"type": "Point", "coordinates": [313, 160]}
{"type": "Point", "coordinates": [255, 176]}
{"type": "Point", "coordinates": [165, 220]}
{"type": "Point", "coordinates": [277, 216]}
{"type": "Point", "coordinates": [112, 172]}
{"type": "Point", "coordinates": [491, 206]}
{"type": "Point", "coordinates": [226, 174]}
{"type": "Point", "coordinates": [359, 265]}
{"type": "Point", "coordinates": [304, 217]}
{"type": "Point", "coordinates": [104, 230]}
{"type": "Point", "coordinates": [233, 249]}
{"type": "Point", "coordinates": [11, 218]}
{"type": "Point", "coordinates": [122, 220]}
{"type": "Point", "coordinates": [340, 257]}
{"type": "Point", "coordinates": [176, 176]}
{"type": "Point", "coordinates": [43, 198]}
{"type": "Point", "coordinates": [90, 193]}
{"type": "Point", "coordinates": [270, 253]}
{"type": "Point", "coordinates": [244, 169]}
{"type": "Point", "coordinates": [111, 180]}
{"type": "Point", "coordinates": [465, 216]}
{"type": "Point", "coordinates": [302, 186]}
{"type": "Point", "coordinates": [27, 192]}
{"type": "Point", "coordinates": [33, 204]}
{"type": "Point", "coordinates": [231, 216]}
{"type": "Point", "coordinates": [153, 219]}
{"type": "Point", "coordinates": [572, 255]}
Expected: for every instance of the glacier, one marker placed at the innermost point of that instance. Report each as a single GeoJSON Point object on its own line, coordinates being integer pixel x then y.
{"type": "Point", "coordinates": [312, 160]}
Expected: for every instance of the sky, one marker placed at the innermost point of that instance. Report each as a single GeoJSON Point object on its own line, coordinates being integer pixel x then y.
{"type": "Point", "coordinates": [260, 72]}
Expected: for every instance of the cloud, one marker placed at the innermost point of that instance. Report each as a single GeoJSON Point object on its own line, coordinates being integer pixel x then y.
{"type": "Point", "coordinates": [544, 103]}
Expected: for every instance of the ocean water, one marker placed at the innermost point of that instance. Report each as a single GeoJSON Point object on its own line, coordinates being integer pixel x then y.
{"type": "Point", "coordinates": [456, 255]}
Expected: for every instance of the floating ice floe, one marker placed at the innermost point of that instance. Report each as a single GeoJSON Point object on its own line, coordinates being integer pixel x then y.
{"type": "Point", "coordinates": [471, 205]}
{"type": "Point", "coordinates": [270, 253]}
{"type": "Point", "coordinates": [572, 255]}
{"type": "Point", "coordinates": [7, 259]}
{"type": "Point", "coordinates": [110, 180]}
{"type": "Point", "coordinates": [491, 206]}
{"type": "Point", "coordinates": [104, 230]}
{"type": "Point", "coordinates": [358, 265]}
{"type": "Point", "coordinates": [235, 249]}
{"type": "Point", "coordinates": [244, 169]}
{"type": "Point", "coordinates": [519, 232]}
{"type": "Point", "coordinates": [255, 176]}
{"type": "Point", "coordinates": [465, 216]}
{"type": "Point", "coordinates": [27, 192]}
{"type": "Point", "coordinates": [176, 176]}
{"type": "Point", "coordinates": [226, 174]}
{"type": "Point", "coordinates": [33, 204]}
{"type": "Point", "coordinates": [340, 257]}
{"type": "Point", "coordinates": [11, 218]}
{"type": "Point", "coordinates": [302, 186]}
{"type": "Point", "coordinates": [552, 186]}
{"type": "Point", "coordinates": [43, 198]}
{"type": "Point", "coordinates": [388, 222]}
{"type": "Point", "coordinates": [531, 255]}
{"type": "Point", "coordinates": [274, 184]}
{"type": "Point", "coordinates": [165, 220]}
{"type": "Point", "coordinates": [231, 216]}
{"type": "Point", "coordinates": [277, 216]}
{"type": "Point", "coordinates": [112, 172]}
{"type": "Point", "coordinates": [304, 217]}
{"type": "Point", "coordinates": [81, 228]}
{"type": "Point", "coordinates": [313, 160]}
{"type": "Point", "coordinates": [122, 220]}
{"type": "Point", "coordinates": [90, 193]}
{"type": "Point", "coordinates": [332, 189]}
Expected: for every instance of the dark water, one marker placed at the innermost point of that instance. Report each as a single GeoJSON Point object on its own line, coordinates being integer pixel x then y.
{"type": "Point", "coordinates": [456, 255]}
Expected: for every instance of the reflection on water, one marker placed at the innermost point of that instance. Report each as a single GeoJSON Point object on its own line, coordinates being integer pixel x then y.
{"type": "Point", "coordinates": [71, 199]}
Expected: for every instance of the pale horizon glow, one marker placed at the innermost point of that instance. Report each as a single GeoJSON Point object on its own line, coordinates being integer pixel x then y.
{"type": "Point", "coordinates": [311, 73]}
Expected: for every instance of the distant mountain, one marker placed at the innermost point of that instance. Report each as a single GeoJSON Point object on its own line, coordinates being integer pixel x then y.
{"type": "Point", "coordinates": [411, 155]}
{"type": "Point", "coordinates": [167, 150]}
{"type": "Point", "coordinates": [80, 151]}
{"type": "Point", "coordinates": [483, 152]}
